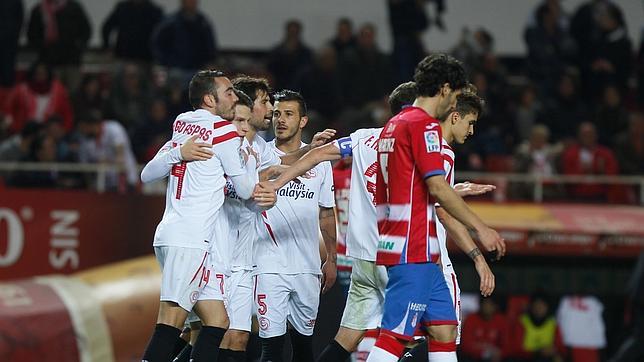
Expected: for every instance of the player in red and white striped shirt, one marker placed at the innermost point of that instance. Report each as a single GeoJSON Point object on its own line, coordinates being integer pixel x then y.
{"type": "Point", "coordinates": [409, 150]}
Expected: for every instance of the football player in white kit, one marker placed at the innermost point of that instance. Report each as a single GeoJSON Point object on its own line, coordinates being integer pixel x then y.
{"type": "Point", "coordinates": [184, 241]}
{"type": "Point", "coordinates": [366, 293]}
{"type": "Point", "coordinates": [288, 275]}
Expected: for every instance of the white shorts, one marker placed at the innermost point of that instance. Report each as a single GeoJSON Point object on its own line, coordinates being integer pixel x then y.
{"type": "Point", "coordinates": [184, 274]}
{"type": "Point", "coordinates": [282, 297]}
{"type": "Point", "coordinates": [366, 297]}
{"type": "Point", "coordinates": [215, 289]}
{"type": "Point", "coordinates": [455, 292]}
{"type": "Point", "coordinates": [239, 299]}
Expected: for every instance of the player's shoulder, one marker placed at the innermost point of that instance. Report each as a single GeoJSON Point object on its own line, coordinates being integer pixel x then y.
{"type": "Point", "coordinates": [363, 133]}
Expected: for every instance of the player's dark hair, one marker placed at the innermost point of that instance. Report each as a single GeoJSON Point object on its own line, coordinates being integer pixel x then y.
{"type": "Point", "coordinates": [251, 86]}
{"type": "Point", "coordinates": [201, 84]}
{"type": "Point", "coordinates": [434, 71]}
{"type": "Point", "coordinates": [289, 95]}
{"type": "Point", "coordinates": [468, 103]}
{"type": "Point", "coordinates": [403, 95]}
{"type": "Point", "coordinates": [243, 99]}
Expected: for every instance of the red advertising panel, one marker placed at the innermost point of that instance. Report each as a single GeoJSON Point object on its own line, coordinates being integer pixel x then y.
{"type": "Point", "coordinates": [44, 232]}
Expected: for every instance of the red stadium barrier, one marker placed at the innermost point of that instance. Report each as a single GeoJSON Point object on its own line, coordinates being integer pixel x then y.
{"type": "Point", "coordinates": [45, 232]}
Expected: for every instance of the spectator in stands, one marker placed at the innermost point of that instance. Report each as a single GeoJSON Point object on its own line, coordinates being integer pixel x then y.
{"type": "Point", "coordinates": [537, 156]}
{"type": "Point", "coordinates": [150, 136]}
{"type": "Point", "coordinates": [535, 335]}
{"type": "Point", "coordinates": [611, 57]}
{"type": "Point", "coordinates": [640, 67]}
{"type": "Point", "coordinates": [59, 30]}
{"type": "Point", "coordinates": [369, 61]}
{"type": "Point", "coordinates": [185, 40]}
{"type": "Point", "coordinates": [408, 19]}
{"type": "Point", "coordinates": [582, 327]}
{"type": "Point", "coordinates": [106, 141]}
{"type": "Point", "coordinates": [485, 334]}
{"type": "Point", "coordinates": [18, 146]}
{"type": "Point", "coordinates": [321, 84]}
{"type": "Point", "coordinates": [528, 113]}
{"type": "Point", "coordinates": [133, 21]}
{"type": "Point", "coordinates": [629, 146]}
{"type": "Point", "coordinates": [564, 111]}
{"type": "Point", "coordinates": [39, 97]}
{"type": "Point", "coordinates": [90, 96]}
{"type": "Point", "coordinates": [550, 48]}
{"type": "Point", "coordinates": [289, 57]}
{"type": "Point", "coordinates": [587, 157]}
{"type": "Point", "coordinates": [129, 98]}
{"type": "Point", "coordinates": [43, 149]}
{"type": "Point", "coordinates": [344, 39]}
{"type": "Point", "coordinates": [472, 47]}
{"type": "Point", "coordinates": [610, 115]}
{"type": "Point", "coordinates": [11, 17]}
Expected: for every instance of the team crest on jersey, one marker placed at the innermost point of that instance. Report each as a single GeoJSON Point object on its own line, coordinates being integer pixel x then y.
{"type": "Point", "coordinates": [432, 141]}
{"type": "Point", "coordinates": [263, 323]}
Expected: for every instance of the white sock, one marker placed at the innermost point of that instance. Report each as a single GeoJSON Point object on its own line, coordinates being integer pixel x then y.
{"type": "Point", "coordinates": [378, 354]}
{"type": "Point", "coordinates": [442, 357]}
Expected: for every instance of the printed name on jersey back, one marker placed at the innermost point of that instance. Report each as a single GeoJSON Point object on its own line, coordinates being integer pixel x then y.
{"type": "Point", "coordinates": [386, 144]}
{"type": "Point", "coordinates": [191, 129]}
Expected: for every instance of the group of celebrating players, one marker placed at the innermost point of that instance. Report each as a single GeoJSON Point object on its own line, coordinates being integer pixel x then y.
{"type": "Point", "coordinates": [241, 231]}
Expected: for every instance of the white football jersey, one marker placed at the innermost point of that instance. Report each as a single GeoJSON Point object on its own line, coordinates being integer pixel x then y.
{"type": "Point", "coordinates": [289, 234]}
{"type": "Point", "coordinates": [243, 221]}
{"type": "Point", "coordinates": [581, 323]}
{"type": "Point", "coordinates": [448, 163]}
{"type": "Point", "coordinates": [194, 194]}
{"type": "Point", "coordinates": [362, 228]}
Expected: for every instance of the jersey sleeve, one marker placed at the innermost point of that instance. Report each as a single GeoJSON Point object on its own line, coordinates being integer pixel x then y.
{"type": "Point", "coordinates": [159, 167]}
{"type": "Point", "coordinates": [425, 140]}
{"type": "Point", "coordinates": [348, 143]}
{"type": "Point", "coordinates": [327, 194]}
{"type": "Point", "coordinates": [226, 145]}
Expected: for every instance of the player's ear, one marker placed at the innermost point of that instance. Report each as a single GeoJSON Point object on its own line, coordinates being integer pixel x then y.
{"type": "Point", "coordinates": [209, 101]}
{"type": "Point", "coordinates": [303, 121]}
{"type": "Point", "coordinates": [446, 90]}
{"type": "Point", "coordinates": [455, 117]}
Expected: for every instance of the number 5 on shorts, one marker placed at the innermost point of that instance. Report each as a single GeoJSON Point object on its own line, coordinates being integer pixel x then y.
{"type": "Point", "coordinates": [262, 305]}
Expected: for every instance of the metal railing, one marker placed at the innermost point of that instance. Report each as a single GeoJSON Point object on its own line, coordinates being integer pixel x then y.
{"type": "Point", "coordinates": [538, 182]}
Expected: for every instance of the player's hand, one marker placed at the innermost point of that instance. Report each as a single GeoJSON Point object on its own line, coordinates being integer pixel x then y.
{"type": "Point", "coordinates": [196, 151]}
{"type": "Point", "coordinates": [329, 273]}
{"type": "Point", "coordinates": [485, 274]}
{"type": "Point", "coordinates": [323, 137]}
{"type": "Point", "coordinates": [491, 241]}
{"type": "Point", "coordinates": [471, 189]}
{"type": "Point", "coordinates": [264, 197]}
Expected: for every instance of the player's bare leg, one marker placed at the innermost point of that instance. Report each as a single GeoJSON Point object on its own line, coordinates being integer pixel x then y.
{"type": "Point", "coordinates": [214, 322]}
{"type": "Point", "coordinates": [234, 345]}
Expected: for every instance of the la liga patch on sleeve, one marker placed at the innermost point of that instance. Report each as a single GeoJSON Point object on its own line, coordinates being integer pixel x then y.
{"type": "Point", "coordinates": [432, 141]}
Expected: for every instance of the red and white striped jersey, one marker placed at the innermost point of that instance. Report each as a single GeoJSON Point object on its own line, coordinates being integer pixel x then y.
{"type": "Point", "coordinates": [409, 151]}
{"type": "Point", "coordinates": [341, 184]}
{"type": "Point", "coordinates": [195, 191]}
{"type": "Point", "coordinates": [448, 163]}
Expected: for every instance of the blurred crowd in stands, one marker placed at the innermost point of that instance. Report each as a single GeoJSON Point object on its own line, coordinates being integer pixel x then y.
{"type": "Point", "coordinates": [572, 106]}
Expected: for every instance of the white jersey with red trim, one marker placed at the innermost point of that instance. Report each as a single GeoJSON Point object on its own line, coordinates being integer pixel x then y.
{"type": "Point", "coordinates": [448, 162]}
{"type": "Point", "coordinates": [362, 227]}
{"type": "Point", "coordinates": [194, 194]}
{"type": "Point", "coordinates": [289, 235]}
{"type": "Point", "coordinates": [242, 220]}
